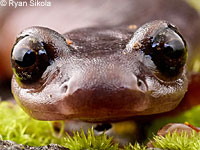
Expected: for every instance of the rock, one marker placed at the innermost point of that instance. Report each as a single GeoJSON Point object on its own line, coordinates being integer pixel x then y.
{"type": "Point", "coordinates": [9, 145]}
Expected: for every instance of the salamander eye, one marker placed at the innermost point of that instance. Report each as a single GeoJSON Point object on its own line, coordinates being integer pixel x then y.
{"type": "Point", "coordinates": [29, 59]}
{"type": "Point", "coordinates": [168, 51]}
{"type": "Point", "coordinates": [24, 57]}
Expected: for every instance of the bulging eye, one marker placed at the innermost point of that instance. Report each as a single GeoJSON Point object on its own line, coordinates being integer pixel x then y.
{"type": "Point", "coordinates": [24, 57]}
{"type": "Point", "coordinates": [29, 59]}
{"type": "Point", "coordinates": [168, 51]}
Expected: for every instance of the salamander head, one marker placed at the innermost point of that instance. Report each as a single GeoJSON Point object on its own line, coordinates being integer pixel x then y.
{"type": "Point", "coordinates": [99, 74]}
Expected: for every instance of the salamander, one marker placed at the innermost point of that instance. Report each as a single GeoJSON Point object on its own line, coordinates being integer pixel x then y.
{"type": "Point", "coordinates": [107, 72]}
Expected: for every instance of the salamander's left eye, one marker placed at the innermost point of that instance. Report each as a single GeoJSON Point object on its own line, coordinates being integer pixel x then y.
{"type": "Point", "coordinates": [29, 59]}
{"type": "Point", "coordinates": [168, 51]}
{"type": "Point", "coordinates": [24, 57]}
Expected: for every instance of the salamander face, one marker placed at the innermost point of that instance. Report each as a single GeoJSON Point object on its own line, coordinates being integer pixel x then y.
{"type": "Point", "coordinates": [99, 74]}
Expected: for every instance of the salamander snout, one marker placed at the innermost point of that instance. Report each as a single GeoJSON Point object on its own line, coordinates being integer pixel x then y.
{"type": "Point", "coordinates": [108, 80]}
{"type": "Point", "coordinates": [107, 95]}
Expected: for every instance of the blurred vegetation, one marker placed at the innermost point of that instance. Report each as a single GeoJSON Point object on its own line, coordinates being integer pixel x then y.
{"type": "Point", "coordinates": [195, 4]}
{"type": "Point", "coordinates": [17, 126]}
{"type": "Point", "coordinates": [191, 116]}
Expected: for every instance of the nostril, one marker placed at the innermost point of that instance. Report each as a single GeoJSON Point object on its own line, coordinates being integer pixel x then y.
{"type": "Point", "coordinates": [64, 88]}
{"type": "Point", "coordinates": [141, 84]}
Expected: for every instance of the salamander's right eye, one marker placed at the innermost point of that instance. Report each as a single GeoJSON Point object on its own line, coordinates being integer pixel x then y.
{"type": "Point", "coordinates": [29, 59]}
{"type": "Point", "coordinates": [24, 57]}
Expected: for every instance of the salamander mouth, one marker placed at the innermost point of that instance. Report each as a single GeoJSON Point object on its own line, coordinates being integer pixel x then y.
{"type": "Point", "coordinates": [93, 105]}
{"type": "Point", "coordinates": [90, 107]}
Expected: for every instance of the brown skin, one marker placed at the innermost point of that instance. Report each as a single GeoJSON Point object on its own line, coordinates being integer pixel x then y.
{"type": "Point", "coordinates": [100, 74]}
{"type": "Point", "coordinates": [103, 75]}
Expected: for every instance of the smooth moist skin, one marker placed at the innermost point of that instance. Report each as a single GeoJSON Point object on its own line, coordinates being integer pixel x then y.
{"type": "Point", "coordinates": [99, 74]}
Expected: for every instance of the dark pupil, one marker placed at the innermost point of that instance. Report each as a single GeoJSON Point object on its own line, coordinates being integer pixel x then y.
{"type": "Point", "coordinates": [25, 57]}
{"type": "Point", "coordinates": [174, 49]}
{"type": "Point", "coordinates": [168, 52]}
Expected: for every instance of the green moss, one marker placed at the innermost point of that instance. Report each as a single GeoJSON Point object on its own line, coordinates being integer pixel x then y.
{"type": "Point", "coordinates": [191, 116]}
{"type": "Point", "coordinates": [178, 142]}
{"type": "Point", "coordinates": [136, 146]}
{"type": "Point", "coordinates": [90, 142]}
{"type": "Point", "coordinates": [172, 141]}
{"type": "Point", "coordinates": [15, 125]}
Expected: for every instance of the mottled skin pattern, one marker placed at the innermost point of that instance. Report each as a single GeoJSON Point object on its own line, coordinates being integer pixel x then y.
{"type": "Point", "coordinates": [100, 74]}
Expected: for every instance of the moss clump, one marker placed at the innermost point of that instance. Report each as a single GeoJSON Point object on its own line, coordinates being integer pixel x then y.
{"type": "Point", "coordinates": [177, 141]}
{"type": "Point", "coordinates": [173, 141]}
{"type": "Point", "coordinates": [17, 126]}
{"type": "Point", "coordinates": [90, 142]}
